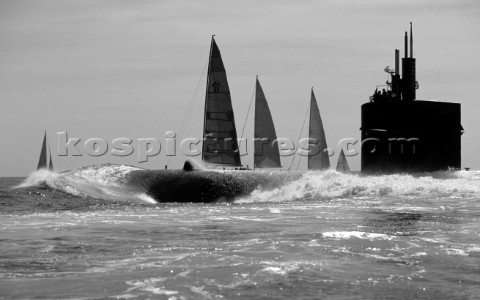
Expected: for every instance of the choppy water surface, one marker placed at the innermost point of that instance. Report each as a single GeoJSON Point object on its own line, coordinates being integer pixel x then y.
{"type": "Point", "coordinates": [326, 235]}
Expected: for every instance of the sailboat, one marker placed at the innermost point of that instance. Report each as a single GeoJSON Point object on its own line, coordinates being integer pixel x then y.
{"type": "Point", "coordinates": [220, 144]}
{"type": "Point", "coordinates": [342, 164]}
{"type": "Point", "coordinates": [43, 160]}
{"type": "Point", "coordinates": [317, 159]}
{"type": "Point", "coordinates": [266, 153]}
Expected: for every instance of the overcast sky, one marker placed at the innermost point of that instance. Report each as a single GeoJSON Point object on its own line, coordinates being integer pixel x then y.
{"type": "Point", "coordinates": [111, 69]}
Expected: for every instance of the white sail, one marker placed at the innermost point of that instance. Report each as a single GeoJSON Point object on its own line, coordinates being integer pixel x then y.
{"type": "Point", "coordinates": [220, 145]}
{"type": "Point", "coordinates": [318, 154]}
{"type": "Point", "coordinates": [342, 164]}
{"type": "Point", "coordinates": [266, 154]}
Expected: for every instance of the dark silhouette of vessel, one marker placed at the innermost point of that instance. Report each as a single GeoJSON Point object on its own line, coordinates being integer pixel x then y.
{"type": "Point", "coordinates": [403, 134]}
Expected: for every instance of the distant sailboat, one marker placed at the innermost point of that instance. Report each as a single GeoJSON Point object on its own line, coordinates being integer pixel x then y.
{"type": "Point", "coordinates": [317, 159]}
{"type": "Point", "coordinates": [43, 160]}
{"type": "Point", "coordinates": [266, 154]}
{"type": "Point", "coordinates": [220, 145]}
{"type": "Point", "coordinates": [342, 164]}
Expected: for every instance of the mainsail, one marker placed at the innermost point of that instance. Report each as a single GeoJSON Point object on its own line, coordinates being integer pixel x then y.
{"type": "Point", "coordinates": [318, 154]}
{"type": "Point", "coordinates": [266, 154]}
{"type": "Point", "coordinates": [220, 145]}
{"type": "Point", "coordinates": [342, 164]}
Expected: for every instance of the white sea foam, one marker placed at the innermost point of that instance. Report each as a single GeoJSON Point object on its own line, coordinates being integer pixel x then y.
{"type": "Point", "coordinates": [146, 198]}
{"type": "Point", "coordinates": [280, 268]}
{"type": "Point", "coordinates": [105, 181]}
{"type": "Point", "coordinates": [275, 211]}
{"type": "Point", "coordinates": [149, 285]}
{"type": "Point", "coordinates": [332, 184]}
{"type": "Point", "coordinates": [108, 181]}
{"type": "Point", "coordinates": [38, 177]}
{"type": "Point", "coordinates": [202, 292]}
{"type": "Point", "coordinates": [104, 174]}
{"type": "Point", "coordinates": [356, 234]}
{"type": "Point", "coordinates": [275, 270]}
{"type": "Point", "coordinates": [456, 251]}
{"type": "Point", "coordinates": [473, 249]}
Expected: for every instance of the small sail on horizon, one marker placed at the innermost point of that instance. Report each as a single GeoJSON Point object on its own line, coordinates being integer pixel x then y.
{"type": "Point", "coordinates": [266, 153]}
{"type": "Point", "coordinates": [318, 159]}
{"type": "Point", "coordinates": [220, 144]}
{"type": "Point", "coordinates": [43, 160]}
{"type": "Point", "coordinates": [342, 164]}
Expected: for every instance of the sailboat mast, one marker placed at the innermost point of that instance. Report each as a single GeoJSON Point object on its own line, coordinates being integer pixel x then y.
{"type": "Point", "coordinates": [206, 100]}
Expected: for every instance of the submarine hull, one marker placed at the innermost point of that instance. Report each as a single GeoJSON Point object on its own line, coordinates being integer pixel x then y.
{"type": "Point", "coordinates": [416, 136]}
{"type": "Point", "coordinates": [203, 186]}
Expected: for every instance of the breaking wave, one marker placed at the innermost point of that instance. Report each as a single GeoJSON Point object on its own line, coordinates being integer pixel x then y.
{"type": "Point", "coordinates": [331, 184]}
{"type": "Point", "coordinates": [104, 181]}
{"type": "Point", "coordinates": [38, 177]}
{"type": "Point", "coordinates": [109, 182]}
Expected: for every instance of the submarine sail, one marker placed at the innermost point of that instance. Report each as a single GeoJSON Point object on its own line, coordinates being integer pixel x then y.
{"type": "Point", "coordinates": [401, 133]}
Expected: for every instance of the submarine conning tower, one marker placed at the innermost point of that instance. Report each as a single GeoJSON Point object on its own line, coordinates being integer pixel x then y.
{"type": "Point", "coordinates": [403, 134]}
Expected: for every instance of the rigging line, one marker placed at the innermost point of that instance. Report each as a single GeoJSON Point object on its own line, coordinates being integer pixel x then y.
{"type": "Point", "coordinates": [190, 106]}
{"type": "Point", "coordinates": [299, 137]}
{"type": "Point", "coordinates": [204, 150]}
{"type": "Point", "coordinates": [298, 162]}
{"type": "Point", "coordinates": [192, 102]}
{"type": "Point", "coordinates": [248, 113]}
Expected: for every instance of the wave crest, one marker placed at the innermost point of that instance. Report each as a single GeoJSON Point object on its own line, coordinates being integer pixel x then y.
{"type": "Point", "coordinates": [38, 177]}
{"type": "Point", "coordinates": [332, 184]}
{"type": "Point", "coordinates": [110, 182]}
{"type": "Point", "coordinates": [104, 181]}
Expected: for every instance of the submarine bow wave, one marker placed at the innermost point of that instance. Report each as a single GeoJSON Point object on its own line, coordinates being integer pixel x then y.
{"type": "Point", "coordinates": [104, 181]}
{"type": "Point", "coordinates": [331, 184]}
{"type": "Point", "coordinates": [127, 183]}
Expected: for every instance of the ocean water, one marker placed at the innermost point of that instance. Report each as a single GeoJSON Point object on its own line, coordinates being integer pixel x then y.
{"type": "Point", "coordinates": [86, 234]}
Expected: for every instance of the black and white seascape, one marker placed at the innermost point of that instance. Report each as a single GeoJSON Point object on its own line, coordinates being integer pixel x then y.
{"type": "Point", "coordinates": [239, 149]}
{"type": "Point", "coordinates": [85, 234]}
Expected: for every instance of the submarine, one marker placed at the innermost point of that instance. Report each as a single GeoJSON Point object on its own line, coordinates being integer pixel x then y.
{"type": "Point", "coordinates": [193, 184]}
{"type": "Point", "coordinates": [400, 133]}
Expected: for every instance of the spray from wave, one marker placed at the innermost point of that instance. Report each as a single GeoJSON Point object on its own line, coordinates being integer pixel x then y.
{"type": "Point", "coordinates": [331, 184]}
{"type": "Point", "coordinates": [38, 177]}
{"type": "Point", "coordinates": [104, 181]}
{"type": "Point", "coordinates": [109, 182]}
